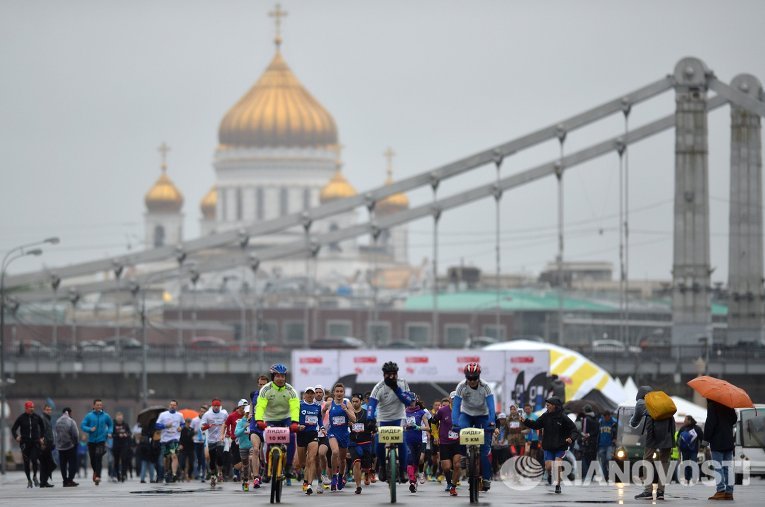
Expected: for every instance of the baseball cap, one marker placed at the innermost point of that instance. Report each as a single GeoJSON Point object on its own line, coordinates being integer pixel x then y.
{"type": "Point", "coordinates": [502, 415]}
{"type": "Point", "coordinates": [318, 386]}
{"type": "Point", "coordinates": [242, 403]}
{"type": "Point", "coordinates": [308, 389]}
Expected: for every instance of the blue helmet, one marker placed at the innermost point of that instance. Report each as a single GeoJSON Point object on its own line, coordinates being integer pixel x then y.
{"type": "Point", "coordinates": [278, 368]}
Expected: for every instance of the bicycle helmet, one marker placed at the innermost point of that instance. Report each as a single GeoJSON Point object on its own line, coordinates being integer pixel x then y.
{"type": "Point", "coordinates": [472, 371]}
{"type": "Point", "coordinates": [390, 367]}
{"type": "Point", "coordinates": [278, 368]}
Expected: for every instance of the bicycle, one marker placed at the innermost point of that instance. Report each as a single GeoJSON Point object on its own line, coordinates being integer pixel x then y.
{"type": "Point", "coordinates": [473, 438]}
{"type": "Point", "coordinates": [392, 437]}
{"type": "Point", "coordinates": [277, 438]}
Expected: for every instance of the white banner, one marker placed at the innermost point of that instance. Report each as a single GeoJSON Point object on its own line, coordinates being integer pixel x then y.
{"type": "Point", "coordinates": [311, 367]}
{"type": "Point", "coordinates": [525, 378]}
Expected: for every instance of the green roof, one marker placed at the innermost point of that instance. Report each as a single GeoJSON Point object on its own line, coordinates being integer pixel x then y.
{"type": "Point", "coordinates": [509, 300]}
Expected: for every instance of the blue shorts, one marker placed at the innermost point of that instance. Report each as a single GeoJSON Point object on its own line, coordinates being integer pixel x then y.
{"type": "Point", "coordinates": [553, 455]}
{"type": "Point", "coordinates": [343, 439]}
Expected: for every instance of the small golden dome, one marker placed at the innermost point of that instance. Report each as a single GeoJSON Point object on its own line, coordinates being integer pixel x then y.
{"type": "Point", "coordinates": [278, 111]}
{"type": "Point", "coordinates": [208, 204]}
{"type": "Point", "coordinates": [395, 202]}
{"type": "Point", "coordinates": [164, 196]}
{"type": "Point", "coordinates": [337, 188]}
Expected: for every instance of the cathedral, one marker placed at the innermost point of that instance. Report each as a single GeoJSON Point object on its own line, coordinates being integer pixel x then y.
{"type": "Point", "coordinates": [278, 153]}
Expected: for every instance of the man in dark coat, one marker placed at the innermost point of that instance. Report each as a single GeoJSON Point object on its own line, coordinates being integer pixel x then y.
{"type": "Point", "coordinates": [559, 433]}
{"type": "Point", "coordinates": [718, 431]}
{"type": "Point", "coordinates": [588, 441]}
{"type": "Point", "coordinates": [658, 442]}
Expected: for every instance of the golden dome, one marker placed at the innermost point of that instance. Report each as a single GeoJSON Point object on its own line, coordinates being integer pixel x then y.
{"type": "Point", "coordinates": [208, 204]}
{"type": "Point", "coordinates": [337, 188]}
{"type": "Point", "coordinates": [164, 196]}
{"type": "Point", "coordinates": [278, 111]}
{"type": "Point", "coordinates": [395, 202]}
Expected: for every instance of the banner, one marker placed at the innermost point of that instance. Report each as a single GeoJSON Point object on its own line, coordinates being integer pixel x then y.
{"type": "Point", "coordinates": [525, 378]}
{"type": "Point", "coordinates": [311, 367]}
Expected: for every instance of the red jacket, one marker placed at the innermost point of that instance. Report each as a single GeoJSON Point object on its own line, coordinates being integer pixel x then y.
{"type": "Point", "coordinates": [231, 421]}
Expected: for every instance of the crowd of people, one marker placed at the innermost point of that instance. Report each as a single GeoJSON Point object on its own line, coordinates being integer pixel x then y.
{"type": "Point", "coordinates": [333, 438]}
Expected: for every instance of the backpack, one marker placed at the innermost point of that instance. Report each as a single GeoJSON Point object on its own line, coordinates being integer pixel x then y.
{"type": "Point", "coordinates": [659, 405]}
{"type": "Point", "coordinates": [686, 440]}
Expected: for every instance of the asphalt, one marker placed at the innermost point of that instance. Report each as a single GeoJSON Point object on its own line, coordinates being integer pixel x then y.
{"type": "Point", "coordinates": [13, 492]}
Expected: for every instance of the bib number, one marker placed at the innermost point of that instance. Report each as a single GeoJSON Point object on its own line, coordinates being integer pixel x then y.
{"type": "Point", "coordinates": [452, 435]}
{"type": "Point", "coordinates": [338, 420]}
{"type": "Point", "coordinates": [358, 427]}
{"type": "Point", "coordinates": [310, 420]}
{"type": "Point", "coordinates": [515, 425]}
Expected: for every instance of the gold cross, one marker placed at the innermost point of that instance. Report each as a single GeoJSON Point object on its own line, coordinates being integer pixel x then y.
{"type": "Point", "coordinates": [389, 154]}
{"type": "Point", "coordinates": [163, 149]}
{"type": "Point", "coordinates": [278, 14]}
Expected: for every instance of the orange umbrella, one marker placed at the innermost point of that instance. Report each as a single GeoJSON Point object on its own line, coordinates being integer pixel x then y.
{"type": "Point", "coordinates": [188, 413]}
{"type": "Point", "coordinates": [721, 391]}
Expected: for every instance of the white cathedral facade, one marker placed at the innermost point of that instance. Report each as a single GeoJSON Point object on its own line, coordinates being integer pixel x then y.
{"type": "Point", "coordinates": [278, 153]}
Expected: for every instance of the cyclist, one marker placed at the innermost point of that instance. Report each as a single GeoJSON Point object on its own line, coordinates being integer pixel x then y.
{"type": "Point", "coordinates": [308, 438]}
{"type": "Point", "coordinates": [386, 406]}
{"type": "Point", "coordinates": [361, 443]}
{"type": "Point", "coordinates": [256, 436]}
{"type": "Point", "coordinates": [473, 406]}
{"type": "Point", "coordinates": [279, 405]}
{"type": "Point", "coordinates": [213, 422]}
{"type": "Point", "coordinates": [170, 422]}
{"type": "Point", "coordinates": [341, 415]}
{"type": "Point", "coordinates": [416, 426]}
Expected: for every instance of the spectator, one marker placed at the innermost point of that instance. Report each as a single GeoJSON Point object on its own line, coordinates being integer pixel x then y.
{"type": "Point", "coordinates": [718, 431]}
{"type": "Point", "coordinates": [98, 425]}
{"type": "Point", "coordinates": [589, 439]}
{"type": "Point", "coordinates": [658, 442]}
{"type": "Point", "coordinates": [532, 436]}
{"type": "Point", "coordinates": [688, 439]}
{"type": "Point", "coordinates": [31, 431]}
{"type": "Point", "coordinates": [66, 438]}
{"type": "Point", "coordinates": [500, 444]}
{"type": "Point", "coordinates": [47, 465]}
{"type": "Point", "coordinates": [516, 438]}
{"type": "Point", "coordinates": [606, 437]}
{"type": "Point", "coordinates": [186, 455]}
{"type": "Point", "coordinates": [82, 456]}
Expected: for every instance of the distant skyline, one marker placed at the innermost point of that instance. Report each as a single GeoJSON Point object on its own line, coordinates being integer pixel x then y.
{"type": "Point", "coordinates": [90, 90]}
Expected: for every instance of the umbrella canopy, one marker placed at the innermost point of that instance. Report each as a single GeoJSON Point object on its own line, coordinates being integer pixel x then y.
{"type": "Point", "coordinates": [576, 406]}
{"type": "Point", "coordinates": [147, 415]}
{"type": "Point", "coordinates": [188, 413]}
{"type": "Point", "coordinates": [721, 391]}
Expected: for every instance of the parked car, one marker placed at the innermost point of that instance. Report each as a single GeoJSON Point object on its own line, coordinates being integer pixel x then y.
{"type": "Point", "coordinates": [95, 346]}
{"type": "Point", "coordinates": [345, 342]}
{"type": "Point", "coordinates": [402, 344]}
{"type": "Point", "coordinates": [34, 347]}
{"type": "Point", "coordinates": [479, 342]}
{"type": "Point", "coordinates": [209, 343]}
{"type": "Point", "coordinates": [613, 347]}
{"type": "Point", "coordinates": [124, 342]}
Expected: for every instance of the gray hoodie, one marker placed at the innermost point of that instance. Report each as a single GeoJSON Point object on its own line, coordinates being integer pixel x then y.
{"type": "Point", "coordinates": [658, 434]}
{"type": "Point", "coordinates": [66, 434]}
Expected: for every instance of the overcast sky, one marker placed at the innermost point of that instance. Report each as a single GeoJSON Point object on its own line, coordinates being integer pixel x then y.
{"type": "Point", "coordinates": [90, 88]}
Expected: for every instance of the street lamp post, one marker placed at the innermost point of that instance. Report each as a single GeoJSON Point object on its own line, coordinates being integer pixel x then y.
{"type": "Point", "coordinates": [10, 256]}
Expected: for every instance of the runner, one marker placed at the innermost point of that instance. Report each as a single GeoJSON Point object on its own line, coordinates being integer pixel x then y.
{"type": "Point", "coordinates": [279, 405]}
{"type": "Point", "coordinates": [231, 422]}
{"type": "Point", "coordinates": [199, 444]}
{"type": "Point", "coordinates": [415, 427]}
{"type": "Point", "coordinates": [308, 438]}
{"type": "Point", "coordinates": [387, 403]}
{"type": "Point", "coordinates": [213, 422]}
{"type": "Point", "coordinates": [340, 417]}
{"type": "Point", "coordinates": [473, 407]}
{"type": "Point", "coordinates": [242, 434]}
{"type": "Point", "coordinates": [256, 435]}
{"type": "Point", "coordinates": [450, 450]}
{"type": "Point", "coordinates": [361, 443]}
{"type": "Point", "coordinates": [170, 422]}
{"type": "Point", "coordinates": [322, 464]}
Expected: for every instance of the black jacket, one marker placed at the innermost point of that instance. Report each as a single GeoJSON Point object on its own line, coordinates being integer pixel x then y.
{"type": "Point", "coordinates": [658, 434]}
{"type": "Point", "coordinates": [718, 430]}
{"type": "Point", "coordinates": [557, 428]}
{"type": "Point", "coordinates": [121, 435]}
{"type": "Point", "coordinates": [591, 426]}
{"type": "Point", "coordinates": [31, 427]}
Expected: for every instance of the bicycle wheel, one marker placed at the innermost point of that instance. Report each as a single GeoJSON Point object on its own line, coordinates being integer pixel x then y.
{"type": "Point", "coordinates": [274, 456]}
{"type": "Point", "coordinates": [392, 465]}
{"type": "Point", "coordinates": [474, 478]}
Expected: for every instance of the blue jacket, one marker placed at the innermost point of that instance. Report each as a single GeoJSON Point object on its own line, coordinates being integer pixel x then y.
{"type": "Point", "coordinates": [102, 422]}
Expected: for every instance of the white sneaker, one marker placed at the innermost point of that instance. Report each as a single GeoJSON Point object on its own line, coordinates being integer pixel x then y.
{"type": "Point", "coordinates": [422, 478]}
{"type": "Point", "coordinates": [325, 480]}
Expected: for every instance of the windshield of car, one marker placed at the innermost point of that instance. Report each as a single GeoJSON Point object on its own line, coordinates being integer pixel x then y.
{"type": "Point", "coordinates": [753, 425]}
{"type": "Point", "coordinates": [627, 436]}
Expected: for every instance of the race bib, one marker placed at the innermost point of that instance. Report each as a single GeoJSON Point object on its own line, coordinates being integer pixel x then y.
{"type": "Point", "coordinates": [338, 420]}
{"type": "Point", "coordinates": [515, 425]}
{"type": "Point", "coordinates": [411, 421]}
{"type": "Point", "coordinates": [310, 420]}
{"type": "Point", "coordinates": [358, 427]}
{"type": "Point", "coordinates": [452, 435]}
{"type": "Point", "coordinates": [424, 438]}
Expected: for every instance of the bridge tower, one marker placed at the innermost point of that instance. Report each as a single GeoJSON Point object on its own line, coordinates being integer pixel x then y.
{"type": "Point", "coordinates": [691, 298]}
{"type": "Point", "coordinates": [745, 260]}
